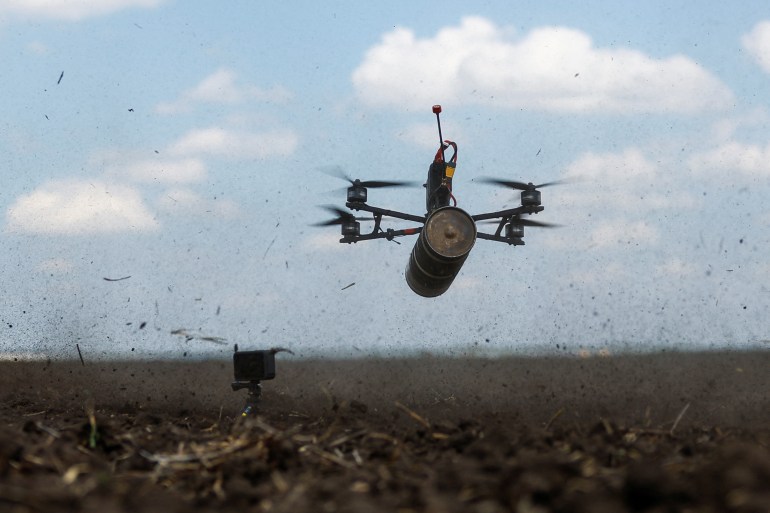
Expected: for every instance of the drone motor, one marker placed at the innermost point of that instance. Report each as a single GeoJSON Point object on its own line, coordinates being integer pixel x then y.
{"type": "Point", "coordinates": [514, 231]}
{"type": "Point", "coordinates": [530, 198]}
{"type": "Point", "coordinates": [350, 228]}
{"type": "Point", "coordinates": [357, 193]}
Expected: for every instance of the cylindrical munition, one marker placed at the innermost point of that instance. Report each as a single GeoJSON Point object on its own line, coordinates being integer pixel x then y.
{"type": "Point", "coordinates": [440, 251]}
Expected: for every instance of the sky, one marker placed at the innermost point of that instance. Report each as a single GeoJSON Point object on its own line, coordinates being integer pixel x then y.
{"type": "Point", "coordinates": [163, 162]}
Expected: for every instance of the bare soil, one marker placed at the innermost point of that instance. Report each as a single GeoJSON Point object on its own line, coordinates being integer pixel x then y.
{"type": "Point", "coordinates": [654, 433]}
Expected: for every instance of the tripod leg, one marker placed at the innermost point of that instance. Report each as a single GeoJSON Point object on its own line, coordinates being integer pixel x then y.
{"type": "Point", "coordinates": [252, 399]}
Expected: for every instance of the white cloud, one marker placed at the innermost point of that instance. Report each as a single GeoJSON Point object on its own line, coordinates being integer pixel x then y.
{"type": "Point", "coordinates": [221, 87]}
{"type": "Point", "coordinates": [74, 207]}
{"type": "Point", "coordinates": [161, 170]}
{"type": "Point", "coordinates": [598, 276]}
{"type": "Point", "coordinates": [236, 144]}
{"type": "Point", "coordinates": [56, 265]}
{"type": "Point", "coordinates": [37, 48]}
{"type": "Point", "coordinates": [757, 43]}
{"type": "Point", "coordinates": [425, 135]}
{"type": "Point", "coordinates": [550, 68]}
{"type": "Point", "coordinates": [467, 282]}
{"type": "Point", "coordinates": [70, 10]}
{"type": "Point", "coordinates": [750, 159]}
{"type": "Point", "coordinates": [620, 232]}
{"type": "Point", "coordinates": [326, 240]}
{"type": "Point", "coordinates": [628, 180]}
{"type": "Point", "coordinates": [677, 267]}
{"type": "Point", "coordinates": [750, 121]}
{"type": "Point", "coordinates": [630, 163]}
{"type": "Point", "coordinates": [629, 188]}
{"type": "Point", "coordinates": [187, 202]}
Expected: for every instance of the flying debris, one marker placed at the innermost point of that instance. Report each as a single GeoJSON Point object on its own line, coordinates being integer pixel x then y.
{"type": "Point", "coordinates": [276, 350]}
{"type": "Point", "coordinates": [182, 332]}
{"type": "Point", "coordinates": [117, 279]}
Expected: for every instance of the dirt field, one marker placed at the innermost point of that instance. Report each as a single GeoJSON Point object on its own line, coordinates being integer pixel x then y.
{"type": "Point", "coordinates": [656, 433]}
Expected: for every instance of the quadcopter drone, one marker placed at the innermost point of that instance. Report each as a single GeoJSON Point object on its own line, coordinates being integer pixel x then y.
{"type": "Point", "coordinates": [448, 233]}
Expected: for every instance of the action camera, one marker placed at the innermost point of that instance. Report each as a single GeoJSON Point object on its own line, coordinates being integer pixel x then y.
{"type": "Point", "coordinates": [252, 366]}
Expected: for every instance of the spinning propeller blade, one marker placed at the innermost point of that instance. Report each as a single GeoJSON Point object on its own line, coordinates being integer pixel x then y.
{"type": "Point", "coordinates": [337, 172]}
{"type": "Point", "coordinates": [342, 216]}
{"type": "Point", "coordinates": [524, 222]}
{"type": "Point", "coordinates": [511, 184]}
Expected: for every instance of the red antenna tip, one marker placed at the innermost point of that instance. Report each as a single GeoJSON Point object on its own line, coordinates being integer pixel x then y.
{"type": "Point", "coordinates": [436, 109]}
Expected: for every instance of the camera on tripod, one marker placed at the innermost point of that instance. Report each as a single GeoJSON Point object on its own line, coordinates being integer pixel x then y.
{"type": "Point", "coordinates": [250, 368]}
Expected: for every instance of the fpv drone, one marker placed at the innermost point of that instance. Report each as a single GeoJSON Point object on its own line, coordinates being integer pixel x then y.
{"type": "Point", "coordinates": [448, 233]}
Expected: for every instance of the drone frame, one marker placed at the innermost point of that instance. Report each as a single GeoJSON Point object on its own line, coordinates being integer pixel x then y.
{"type": "Point", "coordinates": [448, 233]}
{"type": "Point", "coordinates": [506, 217]}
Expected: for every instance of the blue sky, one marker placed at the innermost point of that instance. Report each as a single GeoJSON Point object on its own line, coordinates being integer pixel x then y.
{"type": "Point", "coordinates": [186, 142]}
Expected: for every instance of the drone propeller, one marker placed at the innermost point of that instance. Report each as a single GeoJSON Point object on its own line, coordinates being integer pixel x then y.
{"type": "Point", "coordinates": [524, 222]}
{"type": "Point", "coordinates": [337, 172]}
{"type": "Point", "coordinates": [343, 216]}
{"type": "Point", "coordinates": [518, 185]}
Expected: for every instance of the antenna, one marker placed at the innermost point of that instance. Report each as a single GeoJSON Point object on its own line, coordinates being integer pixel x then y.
{"type": "Point", "coordinates": [437, 111]}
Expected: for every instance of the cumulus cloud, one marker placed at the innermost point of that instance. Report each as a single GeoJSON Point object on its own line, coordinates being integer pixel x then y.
{"type": "Point", "coordinates": [630, 163]}
{"type": "Point", "coordinates": [222, 87]}
{"type": "Point", "coordinates": [37, 48]}
{"type": "Point", "coordinates": [56, 265]}
{"type": "Point", "coordinates": [221, 142]}
{"type": "Point", "coordinates": [72, 207]}
{"type": "Point", "coordinates": [731, 156]}
{"type": "Point", "coordinates": [466, 282]}
{"type": "Point", "coordinates": [161, 170]}
{"type": "Point", "coordinates": [188, 202]}
{"type": "Point", "coordinates": [323, 241]}
{"type": "Point", "coordinates": [70, 10]}
{"type": "Point", "coordinates": [629, 187]}
{"type": "Point", "coordinates": [550, 68]}
{"type": "Point", "coordinates": [757, 43]}
{"type": "Point", "coordinates": [728, 155]}
{"type": "Point", "coordinates": [628, 179]}
{"type": "Point", "coordinates": [424, 135]}
{"type": "Point", "coordinates": [619, 232]}
{"type": "Point", "coordinates": [676, 267]}
{"type": "Point", "coordinates": [728, 128]}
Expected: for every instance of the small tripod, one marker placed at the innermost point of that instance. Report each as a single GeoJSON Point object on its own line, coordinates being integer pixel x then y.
{"type": "Point", "coordinates": [252, 399]}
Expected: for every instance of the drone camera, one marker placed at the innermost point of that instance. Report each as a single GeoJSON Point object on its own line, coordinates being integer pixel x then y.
{"type": "Point", "coordinates": [253, 366]}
